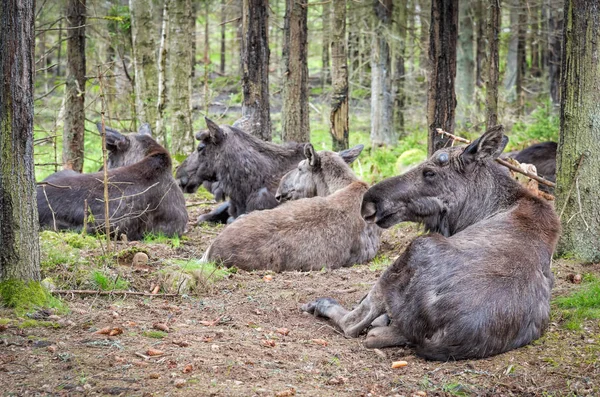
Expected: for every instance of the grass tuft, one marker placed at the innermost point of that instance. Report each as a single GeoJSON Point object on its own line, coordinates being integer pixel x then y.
{"type": "Point", "coordinates": [581, 305]}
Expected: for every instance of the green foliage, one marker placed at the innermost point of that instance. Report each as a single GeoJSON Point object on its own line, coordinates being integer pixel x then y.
{"type": "Point", "coordinates": [581, 305]}
{"type": "Point", "coordinates": [24, 297]}
{"type": "Point", "coordinates": [542, 125]}
{"type": "Point", "coordinates": [380, 262]}
{"type": "Point", "coordinates": [105, 282]}
{"type": "Point", "coordinates": [160, 238]}
{"type": "Point", "coordinates": [207, 271]}
{"type": "Point", "coordinates": [63, 248]}
{"type": "Point", "coordinates": [119, 19]}
{"type": "Point", "coordinates": [155, 334]}
{"type": "Point", "coordinates": [30, 323]}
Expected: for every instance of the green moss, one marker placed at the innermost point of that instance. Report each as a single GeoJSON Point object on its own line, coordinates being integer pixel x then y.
{"type": "Point", "coordinates": [581, 305]}
{"type": "Point", "coordinates": [26, 296]}
{"type": "Point", "coordinates": [37, 324]}
{"type": "Point", "coordinates": [160, 238]}
{"type": "Point", "coordinates": [105, 282]}
{"type": "Point", "coordinates": [155, 334]}
{"type": "Point", "coordinates": [208, 271]}
{"type": "Point", "coordinates": [5, 321]}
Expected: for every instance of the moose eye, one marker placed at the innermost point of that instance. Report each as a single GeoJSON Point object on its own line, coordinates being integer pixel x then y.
{"type": "Point", "coordinates": [428, 174]}
{"type": "Point", "coordinates": [443, 158]}
{"type": "Point", "coordinates": [201, 147]}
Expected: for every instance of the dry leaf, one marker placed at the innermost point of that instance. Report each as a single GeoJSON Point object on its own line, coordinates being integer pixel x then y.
{"type": "Point", "coordinates": [181, 343]}
{"type": "Point", "coordinates": [154, 376]}
{"type": "Point", "coordinates": [161, 327]}
{"type": "Point", "coordinates": [282, 331]}
{"type": "Point", "coordinates": [3, 327]}
{"type": "Point", "coordinates": [115, 331]}
{"type": "Point", "coordinates": [104, 331]}
{"type": "Point", "coordinates": [179, 383]}
{"type": "Point", "coordinates": [399, 364]}
{"type": "Point", "coordinates": [210, 323]}
{"type": "Point", "coordinates": [321, 342]}
{"type": "Point", "coordinates": [156, 289]}
{"type": "Point", "coordinates": [207, 339]}
{"type": "Point", "coordinates": [268, 343]}
{"type": "Point", "coordinates": [188, 368]}
{"type": "Point", "coordinates": [268, 278]}
{"type": "Point", "coordinates": [51, 348]}
{"type": "Point", "coordinates": [131, 324]}
{"type": "Point", "coordinates": [154, 352]}
{"type": "Point", "coordinates": [286, 393]}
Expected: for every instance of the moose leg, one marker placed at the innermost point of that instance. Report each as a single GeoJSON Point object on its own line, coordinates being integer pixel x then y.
{"type": "Point", "coordinates": [218, 215]}
{"type": "Point", "coordinates": [384, 337]}
{"type": "Point", "coordinates": [353, 322]}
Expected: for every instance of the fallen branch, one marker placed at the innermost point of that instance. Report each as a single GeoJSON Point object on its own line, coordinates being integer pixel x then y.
{"type": "Point", "coordinates": [93, 292]}
{"type": "Point", "coordinates": [500, 161]}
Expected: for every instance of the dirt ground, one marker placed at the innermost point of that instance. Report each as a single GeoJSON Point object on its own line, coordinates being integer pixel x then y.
{"type": "Point", "coordinates": [245, 336]}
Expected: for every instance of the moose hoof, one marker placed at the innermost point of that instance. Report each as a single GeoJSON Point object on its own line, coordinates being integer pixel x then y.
{"type": "Point", "coordinates": [319, 307]}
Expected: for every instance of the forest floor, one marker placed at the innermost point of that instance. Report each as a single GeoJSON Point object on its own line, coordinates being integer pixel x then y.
{"type": "Point", "coordinates": [243, 335]}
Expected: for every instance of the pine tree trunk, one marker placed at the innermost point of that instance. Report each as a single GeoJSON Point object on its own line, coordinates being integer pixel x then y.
{"type": "Point", "coordinates": [510, 74]}
{"type": "Point", "coordinates": [534, 41]}
{"type": "Point", "coordinates": [441, 99]}
{"type": "Point", "coordinates": [20, 251]}
{"type": "Point", "coordinates": [143, 33]}
{"type": "Point", "coordinates": [294, 112]}
{"type": "Point", "coordinates": [339, 78]}
{"type": "Point", "coordinates": [223, 43]}
{"type": "Point", "coordinates": [521, 60]}
{"type": "Point", "coordinates": [382, 132]}
{"type": "Point", "coordinates": [555, 25]}
{"type": "Point", "coordinates": [255, 68]}
{"type": "Point", "coordinates": [161, 106]}
{"type": "Point", "coordinates": [179, 73]}
{"type": "Point", "coordinates": [399, 70]}
{"type": "Point", "coordinates": [74, 125]}
{"type": "Point", "coordinates": [577, 180]}
{"type": "Point", "coordinates": [424, 16]}
{"type": "Point", "coordinates": [493, 33]}
{"type": "Point", "coordinates": [326, 40]}
{"type": "Point", "coordinates": [480, 40]}
{"type": "Point", "coordinates": [465, 64]}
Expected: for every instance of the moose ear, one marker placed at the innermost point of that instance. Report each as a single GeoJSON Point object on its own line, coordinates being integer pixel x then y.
{"type": "Point", "coordinates": [349, 155]}
{"type": "Point", "coordinates": [114, 139]}
{"type": "Point", "coordinates": [488, 146]}
{"type": "Point", "coordinates": [313, 158]}
{"type": "Point", "coordinates": [145, 129]}
{"type": "Point", "coordinates": [215, 132]}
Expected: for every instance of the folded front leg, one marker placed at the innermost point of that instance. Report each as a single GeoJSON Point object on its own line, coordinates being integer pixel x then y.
{"type": "Point", "coordinates": [353, 322]}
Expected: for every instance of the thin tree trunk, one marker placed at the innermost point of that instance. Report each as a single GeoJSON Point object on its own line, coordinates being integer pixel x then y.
{"type": "Point", "coordinates": [161, 105]}
{"type": "Point", "coordinates": [577, 176]}
{"type": "Point", "coordinates": [74, 126]}
{"type": "Point", "coordinates": [194, 36]}
{"type": "Point", "coordinates": [255, 63]}
{"type": "Point", "coordinates": [206, 59]}
{"type": "Point", "coordinates": [339, 78]}
{"type": "Point", "coordinates": [326, 43]}
{"type": "Point", "coordinates": [143, 33]}
{"type": "Point", "coordinates": [20, 251]}
{"type": "Point", "coordinates": [510, 74]}
{"type": "Point", "coordinates": [59, 50]}
{"type": "Point", "coordinates": [425, 13]}
{"type": "Point", "coordinates": [465, 64]}
{"type": "Point", "coordinates": [441, 99]}
{"type": "Point", "coordinates": [555, 25]}
{"type": "Point", "coordinates": [223, 44]}
{"type": "Point", "coordinates": [480, 40]}
{"type": "Point", "coordinates": [534, 40]}
{"type": "Point", "coordinates": [493, 33]}
{"type": "Point", "coordinates": [521, 60]}
{"type": "Point", "coordinates": [382, 131]}
{"type": "Point", "coordinates": [294, 112]}
{"type": "Point", "coordinates": [399, 70]}
{"type": "Point", "coordinates": [179, 73]}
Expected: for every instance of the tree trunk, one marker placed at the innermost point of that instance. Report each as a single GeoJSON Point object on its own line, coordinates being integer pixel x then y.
{"type": "Point", "coordinates": [326, 42]}
{"type": "Point", "coordinates": [143, 33]}
{"type": "Point", "coordinates": [465, 64]}
{"type": "Point", "coordinates": [521, 60]}
{"type": "Point", "coordinates": [399, 70]}
{"type": "Point", "coordinates": [510, 74]}
{"type": "Point", "coordinates": [74, 126]}
{"type": "Point", "coordinates": [20, 252]}
{"type": "Point", "coordinates": [294, 112]}
{"type": "Point", "coordinates": [161, 131]}
{"type": "Point", "coordinates": [534, 40]}
{"type": "Point", "coordinates": [339, 78]}
{"type": "Point", "coordinates": [555, 25]}
{"type": "Point", "coordinates": [441, 99]}
{"type": "Point", "coordinates": [424, 15]}
{"type": "Point", "coordinates": [493, 33]}
{"type": "Point", "coordinates": [577, 180]}
{"type": "Point", "coordinates": [382, 132]}
{"type": "Point", "coordinates": [255, 68]}
{"type": "Point", "coordinates": [481, 29]}
{"type": "Point", "coordinates": [223, 44]}
{"type": "Point", "coordinates": [179, 73]}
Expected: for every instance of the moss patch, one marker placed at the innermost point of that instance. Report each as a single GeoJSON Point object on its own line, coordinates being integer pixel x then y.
{"type": "Point", "coordinates": [583, 304]}
{"type": "Point", "coordinates": [27, 296]}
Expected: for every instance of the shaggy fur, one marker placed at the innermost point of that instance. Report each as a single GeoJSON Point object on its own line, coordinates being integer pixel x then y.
{"type": "Point", "coordinates": [143, 196]}
{"type": "Point", "coordinates": [479, 282]}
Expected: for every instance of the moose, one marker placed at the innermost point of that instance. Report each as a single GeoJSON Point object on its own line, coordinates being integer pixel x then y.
{"type": "Point", "coordinates": [142, 193]}
{"type": "Point", "coordinates": [248, 169]}
{"type": "Point", "coordinates": [478, 283]}
{"type": "Point", "coordinates": [310, 232]}
{"type": "Point", "coordinates": [543, 156]}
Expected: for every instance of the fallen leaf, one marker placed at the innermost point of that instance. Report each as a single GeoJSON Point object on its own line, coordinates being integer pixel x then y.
{"type": "Point", "coordinates": [179, 383]}
{"type": "Point", "coordinates": [154, 376]}
{"type": "Point", "coordinates": [131, 324]}
{"type": "Point", "coordinates": [161, 327]}
{"type": "Point", "coordinates": [115, 331]}
{"type": "Point", "coordinates": [399, 364]}
{"type": "Point", "coordinates": [154, 352]}
{"type": "Point", "coordinates": [188, 368]}
{"type": "Point", "coordinates": [181, 343]}
{"type": "Point", "coordinates": [3, 327]}
{"type": "Point", "coordinates": [210, 323]}
{"type": "Point", "coordinates": [268, 343]}
{"type": "Point", "coordinates": [321, 342]}
{"type": "Point", "coordinates": [172, 364]}
{"type": "Point", "coordinates": [104, 331]}
{"type": "Point", "coordinates": [336, 380]}
{"type": "Point", "coordinates": [268, 278]}
{"type": "Point", "coordinates": [286, 393]}
{"type": "Point", "coordinates": [52, 349]}
{"type": "Point", "coordinates": [282, 331]}
{"type": "Point", "coordinates": [156, 289]}
{"type": "Point", "coordinates": [207, 339]}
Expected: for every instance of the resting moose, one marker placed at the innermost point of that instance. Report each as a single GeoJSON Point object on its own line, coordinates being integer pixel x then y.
{"type": "Point", "coordinates": [479, 282]}
{"type": "Point", "coordinates": [543, 156]}
{"type": "Point", "coordinates": [309, 233]}
{"type": "Point", "coordinates": [247, 168]}
{"type": "Point", "coordinates": [143, 194]}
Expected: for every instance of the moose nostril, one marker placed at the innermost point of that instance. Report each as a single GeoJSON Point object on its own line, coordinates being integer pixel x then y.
{"type": "Point", "coordinates": [368, 211]}
{"type": "Point", "coordinates": [278, 197]}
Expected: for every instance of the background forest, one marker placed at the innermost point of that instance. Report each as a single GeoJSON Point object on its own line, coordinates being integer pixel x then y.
{"type": "Point", "coordinates": [170, 63]}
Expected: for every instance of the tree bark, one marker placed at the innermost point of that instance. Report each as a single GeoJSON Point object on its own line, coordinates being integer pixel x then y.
{"type": "Point", "coordinates": [555, 25]}
{"type": "Point", "coordinates": [145, 64]}
{"type": "Point", "coordinates": [179, 59]}
{"type": "Point", "coordinates": [326, 42]}
{"type": "Point", "coordinates": [424, 15]}
{"type": "Point", "coordinates": [521, 59]}
{"type": "Point", "coordinates": [510, 74]}
{"type": "Point", "coordinates": [534, 41]}
{"type": "Point", "coordinates": [74, 125]}
{"type": "Point", "coordinates": [255, 68]}
{"type": "Point", "coordinates": [294, 112]}
{"type": "Point", "coordinates": [382, 132]}
{"type": "Point", "coordinates": [223, 43]}
{"type": "Point", "coordinates": [577, 180]}
{"type": "Point", "coordinates": [399, 70]}
{"type": "Point", "coordinates": [339, 78]}
{"type": "Point", "coordinates": [20, 252]}
{"type": "Point", "coordinates": [441, 99]}
{"type": "Point", "coordinates": [162, 78]}
{"type": "Point", "coordinates": [465, 64]}
{"type": "Point", "coordinates": [493, 33]}
{"type": "Point", "coordinates": [480, 40]}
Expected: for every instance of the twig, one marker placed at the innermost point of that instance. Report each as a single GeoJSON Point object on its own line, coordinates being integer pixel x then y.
{"type": "Point", "coordinates": [53, 185]}
{"type": "Point", "coordinates": [93, 292]}
{"type": "Point", "coordinates": [231, 20]}
{"type": "Point", "coordinates": [572, 185]}
{"type": "Point", "coordinates": [500, 161]}
{"type": "Point", "coordinates": [104, 163]}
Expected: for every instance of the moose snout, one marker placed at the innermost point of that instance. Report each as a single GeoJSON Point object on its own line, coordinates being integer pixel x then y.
{"type": "Point", "coordinates": [369, 211]}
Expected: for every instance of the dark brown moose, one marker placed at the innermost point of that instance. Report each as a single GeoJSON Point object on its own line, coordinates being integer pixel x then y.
{"type": "Point", "coordinates": [479, 282]}
{"type": "Point", "coordinates": [248, 169]}
{"type": "Point", "coordinates": [143, 195]}
{"type": "Point", "coordinates": [543, 156]}
{"type": "Point", "coordinates": [309, 233]}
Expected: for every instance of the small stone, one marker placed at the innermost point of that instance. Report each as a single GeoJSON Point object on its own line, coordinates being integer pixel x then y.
{"type": "Point", "coordinates": [87, 387]}
{"type": "Point", "coordinates": [154, 376]}
{"type": "Point", "coordinates": [51, 349]}
{"type": "Point", "coordinates": [179, 383]}
{"type": "Point", "coordinates": [380, 353]}
{"type": "Point", "coordinates": [53, 317]}
{"type": "Point", "coordinates": [140, 259]}
{"type": "Point", "coordinates": [214, 348]}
